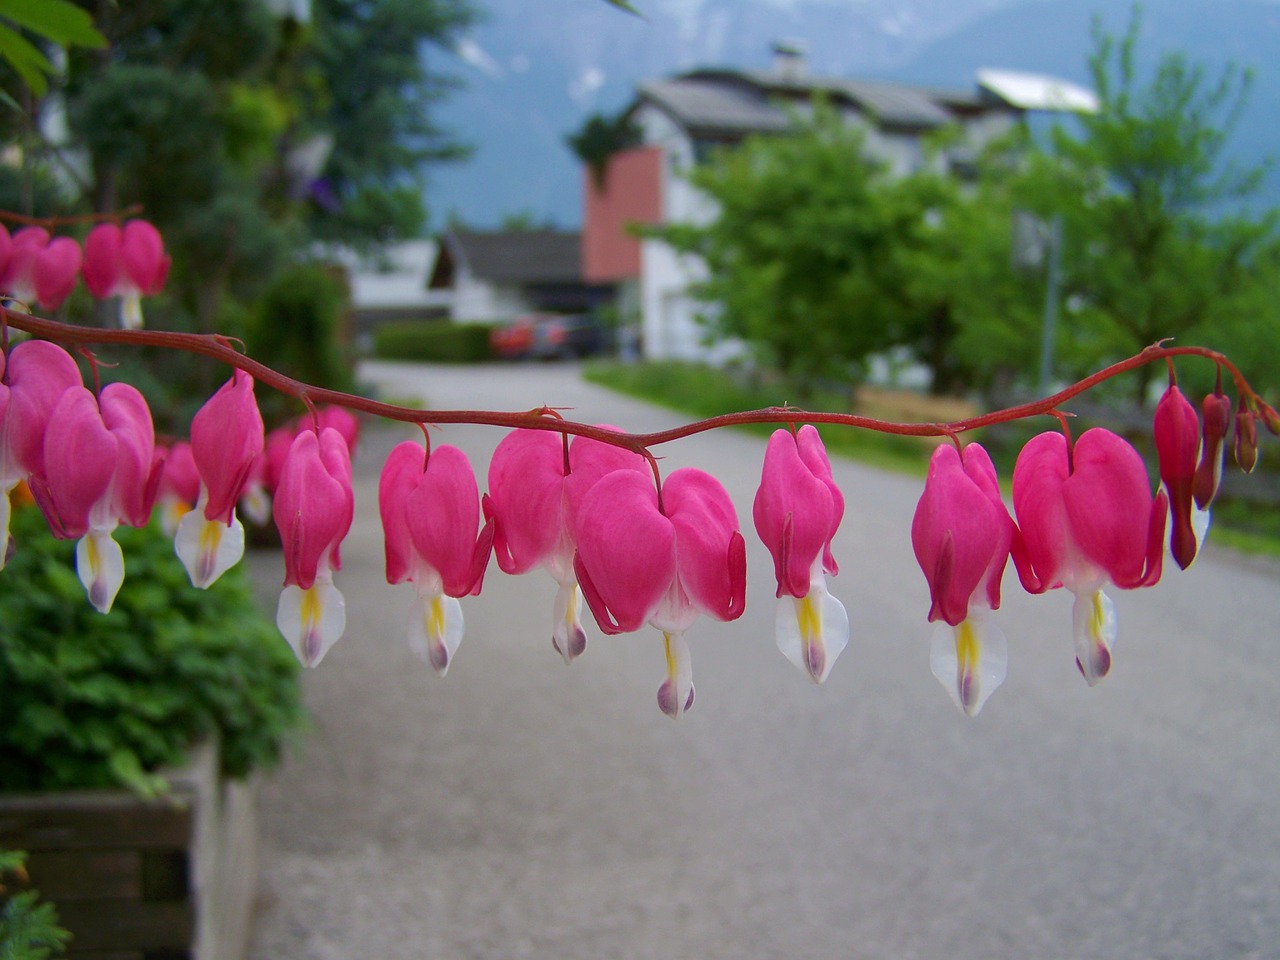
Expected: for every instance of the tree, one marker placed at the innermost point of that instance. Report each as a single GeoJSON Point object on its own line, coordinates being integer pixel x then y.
{"type": "Point", "coordinates": [364, 82]}
{"type": "Point", "coordinates": [1159, 240]}
{"type": "Point", "coordinates": [600, 137]}
{"type": "Point", "coordinates": [799, 254]}
{"type": "Point", "coordinates": [966, 315]}
{"type": "Point", "coordinates": [160, 114]}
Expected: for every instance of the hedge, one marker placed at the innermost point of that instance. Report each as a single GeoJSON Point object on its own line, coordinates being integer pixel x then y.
{"type": "Point", "coordinates": [435, 341]}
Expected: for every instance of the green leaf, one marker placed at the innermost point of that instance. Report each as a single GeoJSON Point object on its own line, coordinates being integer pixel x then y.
{"type": "Point", "coordinates": [127, 769]}
{"type": "Point", "coordinates": [58, 20]}
{"type": "Point", "coordinates": [624, 5]}
{"type": "Point", "coordinates": [32, 65]}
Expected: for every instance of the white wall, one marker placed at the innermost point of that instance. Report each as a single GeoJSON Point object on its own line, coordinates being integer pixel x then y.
{"type": "Point", "coordinates": [475, 300]}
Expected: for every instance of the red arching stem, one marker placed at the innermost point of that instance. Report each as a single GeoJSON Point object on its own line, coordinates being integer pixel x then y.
{"type": "Point", "coordinates": [543, 418]}
{"type": "Point", "coordinates": [1065, 423]}
{"type": "Point", "coordinates": [114, 217]}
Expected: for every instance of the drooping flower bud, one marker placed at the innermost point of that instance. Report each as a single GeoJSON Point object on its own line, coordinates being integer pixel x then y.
{"type": "Point", "coordinates": [1216, 411]}
{"type": "Point", "coordinates": [1177, 434]}
{"type": "Point", "coordinates": [1246, 441]}
{"type": "Point", "coordinates": [1270, 417]}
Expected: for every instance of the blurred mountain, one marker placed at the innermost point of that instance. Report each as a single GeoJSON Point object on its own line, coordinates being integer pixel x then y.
{"type": "Point", "coordinates": [534, 69]}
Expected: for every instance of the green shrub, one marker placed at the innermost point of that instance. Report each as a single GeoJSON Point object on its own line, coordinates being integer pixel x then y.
{"type": "Point", "coordinates": [434, 341]}
{"type": "Point", "coordinates": [96, 700]}
{"type": "Point", "coordinates": [28, 928]}
{"type": "Point", "coordinates": [295, 327]}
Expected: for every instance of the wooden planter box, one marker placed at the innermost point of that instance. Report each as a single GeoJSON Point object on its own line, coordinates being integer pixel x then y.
{"type": "Point", "coordinates": [132, 879]}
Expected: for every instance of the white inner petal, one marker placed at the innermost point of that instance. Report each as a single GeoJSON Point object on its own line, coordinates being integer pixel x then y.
{"type": "Point", "coordinates": [1093, 620]}
{"type": "Point", "coordinates": [208, 548]}
{"type": "Point", "coordinates": [435, 629]}
{"type": "Point", "coordinates": [970, 660]}
{"type": "Point", "coordinates": [100, 564]}
{"type": "Point", "coordinates": [812, 631]}
{"type": "Point", "coordinates": [567, 634]}
{"type": "Point", "coordinates": [311, 620]}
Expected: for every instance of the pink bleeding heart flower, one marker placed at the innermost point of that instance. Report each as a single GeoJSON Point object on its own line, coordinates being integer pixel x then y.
{"type": "Point", "coordinates": [344, 421]}
{"type": "Point", "coordinates": [537, 480]}
{"type": "Point", "coordinates": [129, 263]}
{"type": "Point", "coordinates": [255, 500]}
{"type": "Point", "coordinates": [430, 509]}
{"type": "Point", "coordinates": [264, 474]}
{"type": "Point", "coordinates": [18, 278]}
{"type": "Point", "coordinates": [797, 511]}
{"type": "Point", "coordinates": [662, 562]}
{"type": "Point", "coordinates": [313, 507]}
{"type": "Point", "coordinates": [1087, 518]}
{"type": "Point", "coordinates": [37, 374]}
{"type": "Point", "coordinates": [56, 270]}
{"type": "Point", "coordinates": [179, 486]}
{"type": "Point", "coordinates": [40, 270]}
{"type": "Point", "coordinates": [277, 447]}
{"type": "Point", "coordinates": [99, 471]}
{"type": "Point", "coordinates": [1177, 435]}
{"type": "Point", "coordinates": [962, 534]}
{"type": "Point", "coordinates": [226, 436]}
{"type": "Point", "coordinates": [6, 248]}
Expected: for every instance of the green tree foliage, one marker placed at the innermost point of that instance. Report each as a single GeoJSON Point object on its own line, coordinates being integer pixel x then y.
{"type": "Point", "coordinates": [374, 100]}
{"type": "Point", "coordinates": [600, 137]}
{"type": "Point", "coordinates": [58, 22]}
{"type": "Point", "coordinates": [963, 312]}
{"type": "Point", "coordinates": [800, 251]}
{"type": "Point", "coordinates": [160, 115]}
{"type": "Point", "coordinates": [1159, 242]}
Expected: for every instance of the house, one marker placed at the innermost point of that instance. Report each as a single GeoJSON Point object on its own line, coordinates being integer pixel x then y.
{"type": "Point", "coordinates": [494, 276]}
{"type": "Point", "coordinates": [684, 118]}
{"type": "Point", "coordinates": [392, 284]}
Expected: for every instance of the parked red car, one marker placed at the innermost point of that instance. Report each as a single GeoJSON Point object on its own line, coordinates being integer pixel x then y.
{"type": "Point", "coordinates": [547, 336]}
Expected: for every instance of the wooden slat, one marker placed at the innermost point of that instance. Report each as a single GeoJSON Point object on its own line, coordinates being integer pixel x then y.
{"type": "Point", "coordinates": [68, 821]}
{"type": "Point", "coordinates": [166, 875]}
{"type": "Point", "coordinates": [127, 924]}
{"type": "Point", "coordinates": [62, 875]}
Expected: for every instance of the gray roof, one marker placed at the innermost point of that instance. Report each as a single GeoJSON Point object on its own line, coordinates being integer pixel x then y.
{"type": "Point", "coordinates": [713, 106]}
{"type": "Point", "coordinates": [520, 256]}
{"type": "Point", "coordinates": [736, 103]}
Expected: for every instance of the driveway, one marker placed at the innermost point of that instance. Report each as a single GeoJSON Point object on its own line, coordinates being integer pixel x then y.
{"type": "Point", "coordinates": [521, 807]}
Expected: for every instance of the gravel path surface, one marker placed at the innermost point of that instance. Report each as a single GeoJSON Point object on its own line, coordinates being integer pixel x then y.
{"type": "Point", "coordinates": [522, 808]}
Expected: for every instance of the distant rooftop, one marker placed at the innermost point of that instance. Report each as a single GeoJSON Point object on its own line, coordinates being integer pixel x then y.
{"type": "Point", "coordinates": [739, 102]}
{"type": "Point", "coordinates": [516, 257]}
{"type": "Point", "coordinates": [1034, 91]}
